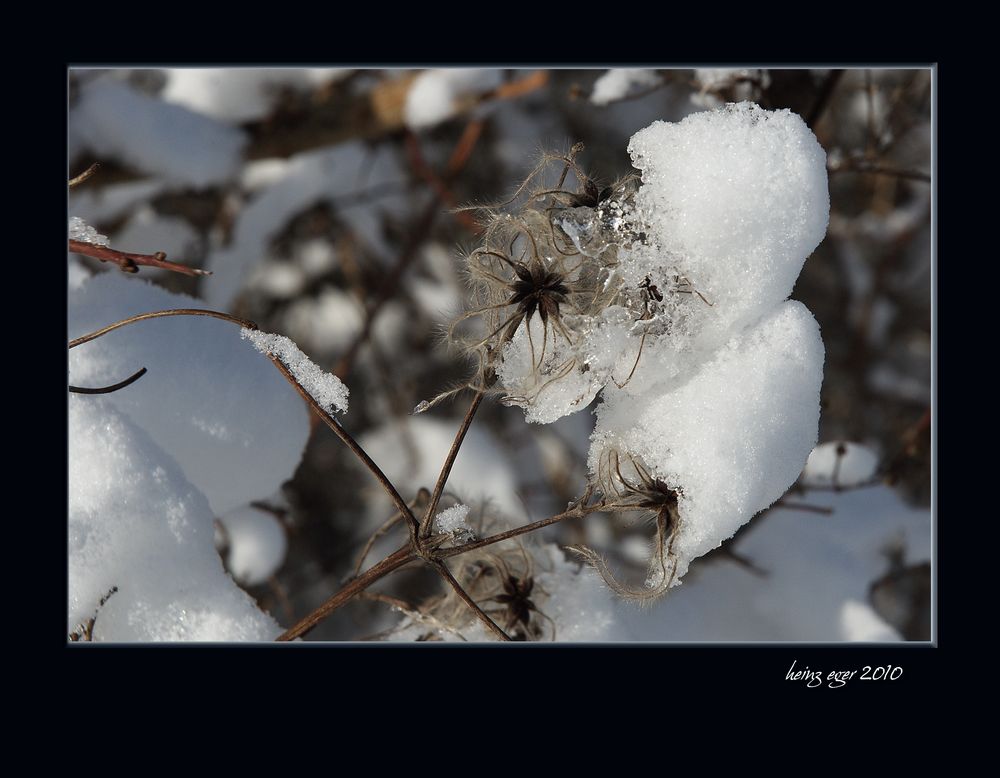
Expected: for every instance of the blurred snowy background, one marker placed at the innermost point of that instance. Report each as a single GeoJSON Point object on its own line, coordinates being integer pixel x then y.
{"type": "Point", "coordinates": [323, 200]}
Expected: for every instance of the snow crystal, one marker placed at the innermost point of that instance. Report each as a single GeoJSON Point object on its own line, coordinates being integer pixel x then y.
{"type": "Point", "coordinates": [436, 95]}
{"type": "Point", "coordinates": [325, 388]}
{"type": "Point", "coordinates": [733, 436]}
{"type": "Point", "coordinates": [454, 521]}
{"type": "Point", "coordinates": [256, 544]}
{"type": "Point", "coordinates": [136, 523]}
{"type": "Point", "coordinates": [183, 147]}
{"type": "Point", "coordinates": [840, 463]}
{"type": "Point", "coordinates": [616, 84]}
{"type": "Point", "coordinates": [228, 417]}
{"type": "Point", "coordinates": [734, 200]}
{"type": "Point", "coordinates": [80, 230]}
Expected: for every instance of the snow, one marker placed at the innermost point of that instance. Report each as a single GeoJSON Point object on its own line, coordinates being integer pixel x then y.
{"type": "Point", "coordinates": [325, 388]}
{"type": "Point", "coordinates": [256, 544]}
{"type": "Point", "coordinates": [76, 273]}
{"type": "Point", "coordinates": [860, 623]}
{"type": "Point", "coordinates": [735, 201]}
{"type": "Point", "coordinates": [712, 385]}
{"type": "Point", "coordinates": [113, 120]}
{"type": "Point", "coordinates": [616, 84]}
{"type": "Point", "coordinates": [136, 523]}
{"type": "Point", "coordinates": [229, 418]}
{"type": "Point", "coordinates": [840, 463]}
{"type": "Point", "coordinates": [239, 94]}
{"type": "Point", "coordinates": [732, 437]}
{"type": "Point", "coordinates": [80, 230]}
{"type": "Point", "coordinates": [437, 95]}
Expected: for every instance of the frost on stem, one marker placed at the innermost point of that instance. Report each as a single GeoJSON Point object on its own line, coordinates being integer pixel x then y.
{"type": "Point", "coordinates": [668, 295]}
{"type": "Point", "coordinates": [328, 390]}
{"type": "Point", "coordinates": [80, 230]}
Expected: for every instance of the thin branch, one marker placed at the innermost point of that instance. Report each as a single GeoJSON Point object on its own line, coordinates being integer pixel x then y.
{"type": "Point", "coordinates": [84, 175]}
{"type": "Point", "coordinates": [801, 506]}
{"type": "Point", "coordinates": [874, 481]}
{"type": "Point", "coordinates": [876, 168]}
{"type": "Point", "coordinates": [491, 625]}
{"type": "Point", "coordinates": [456, 444]}
{"type": "Point", "coordinates": [391, 522]}
{"type": "Point", "coordinates": [246, 323]}
{"type": "Point", "coordinates": [352, 444]}
{"type": "Point", "coordinates": [573, 513]}
{"type": "Point", "coordinates": [129, 262]}
{"type": "Point", "coordinates": [109, 389]}
{"type": "Point", "coordinates": [392, 562]}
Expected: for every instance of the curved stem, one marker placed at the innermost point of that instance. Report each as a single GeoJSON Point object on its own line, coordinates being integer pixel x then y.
{"type": "Point", "coordinates": [109, 389]}
{"type": "Point", "coordinates": [160, 314]}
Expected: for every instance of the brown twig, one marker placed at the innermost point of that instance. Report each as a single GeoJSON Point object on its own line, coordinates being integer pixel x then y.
{"type": "Point", "coordinates": [352, 444]}
{"type": "Point", "coordinates": [392, 562]}
{"type": "Point", "coordinates": [876, 168]}
{"type": "Point", "coordinates": [434, 558]}
{"type": "Point", "coordinates": [109, 389]}
{"type": "Point", "coordinates": [801, 506]}
{"type": "Point", "coordinates": [456, 444]}
{"type": "Point", "coordinates": [246, 323]}
{"type": "Point", "coordinates": [129, 262]}
{"type": "Point", "coordinates": [84, 175]}
{"type": "Point", "coordinates": [576, 512]}
{"type": "Point", "coordinates": [491, 625]}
